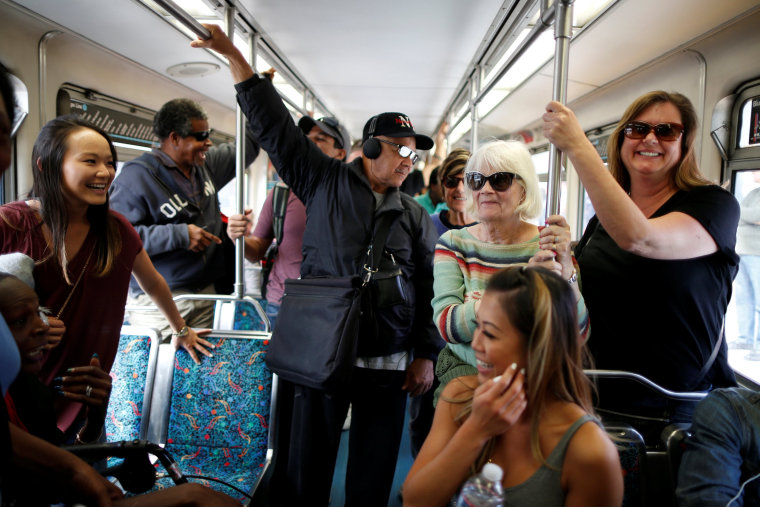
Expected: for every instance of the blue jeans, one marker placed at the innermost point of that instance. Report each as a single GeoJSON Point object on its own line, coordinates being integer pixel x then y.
{"type": "Point", "coordinates": [272, 310]}
{"type": "Point", "coordinates": [723, 451]}
{"type": "Point", "coordinates": [747, 293]}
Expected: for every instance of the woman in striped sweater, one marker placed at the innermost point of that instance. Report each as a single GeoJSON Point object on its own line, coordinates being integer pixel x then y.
{"type": "Point", "coordinates": [503, 192]}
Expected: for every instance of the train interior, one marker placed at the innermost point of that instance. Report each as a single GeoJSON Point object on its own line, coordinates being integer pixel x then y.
{"type": "Point", "coordinates": [486, 68]}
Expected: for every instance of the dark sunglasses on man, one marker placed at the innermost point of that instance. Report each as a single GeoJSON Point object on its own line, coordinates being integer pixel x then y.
{"type": "Point", "coordinates": [500, 181]}
{"type": "Point", "coordinates": [663, 131]}
{"type": "Point", "coordinates": [403, 151]}
{"type": "Point", "coordinates": [200, 136]}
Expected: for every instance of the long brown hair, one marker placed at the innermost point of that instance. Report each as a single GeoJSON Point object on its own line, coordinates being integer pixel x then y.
{"type": "Point", "coordinates": [686, 174]}
{"type": "Point", "coordinates": [542, 308]}
{"type": "Point", "coordinates": [49, 150]}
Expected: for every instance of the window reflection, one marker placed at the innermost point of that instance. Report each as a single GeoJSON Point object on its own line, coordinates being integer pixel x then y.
{"type": "Point", "coordinates": [743, 315]}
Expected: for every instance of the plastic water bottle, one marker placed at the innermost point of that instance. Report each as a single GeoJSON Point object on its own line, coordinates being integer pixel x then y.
{"type": "Point", "coordinates": [484, 489]}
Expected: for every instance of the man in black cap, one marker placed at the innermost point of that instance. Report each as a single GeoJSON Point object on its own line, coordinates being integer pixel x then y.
{"type": "Point", "coordinates": [397, 348]}
{"type": "Point", "coordinates": [281, 206]}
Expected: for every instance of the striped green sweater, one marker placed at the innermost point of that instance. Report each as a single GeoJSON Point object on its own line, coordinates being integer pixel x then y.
{"type": "Point", "coordinates": [463, 265]}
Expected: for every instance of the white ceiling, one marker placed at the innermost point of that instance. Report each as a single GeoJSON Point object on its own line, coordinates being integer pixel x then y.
{"type": "Point", "coordinates": [398, 55]}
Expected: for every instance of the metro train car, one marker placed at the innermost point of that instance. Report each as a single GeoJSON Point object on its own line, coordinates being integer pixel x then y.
{"type": "Point", "coordinates": [465, 73]}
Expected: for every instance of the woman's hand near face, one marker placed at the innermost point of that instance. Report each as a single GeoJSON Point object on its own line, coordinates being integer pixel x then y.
{"type": "Point", "coordinates": [498, 403]}
{"type": "Point", "coordinates": [55, 332]}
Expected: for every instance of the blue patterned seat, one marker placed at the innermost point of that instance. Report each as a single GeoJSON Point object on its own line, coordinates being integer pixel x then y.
{"type": "Point", "coordinates": [218, 413]}
{"type": "Point", "coordinates": [242, 315]}
{"type": "Point", "coordinates": [132, 376]}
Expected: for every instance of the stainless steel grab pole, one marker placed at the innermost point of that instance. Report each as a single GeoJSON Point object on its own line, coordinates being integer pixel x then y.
{"type": "Point", "coordinates": [563, 31]}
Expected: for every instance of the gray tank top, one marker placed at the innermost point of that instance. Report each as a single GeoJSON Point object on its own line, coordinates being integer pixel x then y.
{"type": "Point", "coordinates": [544, 487]}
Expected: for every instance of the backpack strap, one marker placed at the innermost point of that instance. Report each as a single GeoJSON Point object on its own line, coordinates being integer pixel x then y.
{"type": "Point", "coordinates": [280, 194]}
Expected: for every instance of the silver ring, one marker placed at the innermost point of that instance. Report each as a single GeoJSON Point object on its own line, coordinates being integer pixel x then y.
{"type": "Point", "coordinates": [88, 391]}
{"type": "Point", "coordinates": [556, 239]}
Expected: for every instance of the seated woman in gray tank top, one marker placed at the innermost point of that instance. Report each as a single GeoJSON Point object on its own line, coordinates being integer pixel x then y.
{"type": "Point", "coordinates": [528, 409]}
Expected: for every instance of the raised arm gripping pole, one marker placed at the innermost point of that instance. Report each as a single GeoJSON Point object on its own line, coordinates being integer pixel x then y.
{"type": "Point", "coordinates": [563, 32]}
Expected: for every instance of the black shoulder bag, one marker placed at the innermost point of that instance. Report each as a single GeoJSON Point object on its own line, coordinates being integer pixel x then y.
{"type": "Point", "coordinates": [315, 335]}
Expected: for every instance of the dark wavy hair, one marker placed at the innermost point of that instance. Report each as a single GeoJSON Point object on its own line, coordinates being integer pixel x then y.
{"type": "Point", "coordinates": [47, 161]}
{"type": "Point", "coordinates": [686, 174]}
{"type": "Point", "coordinates": [177, 116]}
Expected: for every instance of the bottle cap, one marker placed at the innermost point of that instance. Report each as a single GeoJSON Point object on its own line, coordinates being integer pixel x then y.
{"type": "Point", "coordinates": [492, 472]}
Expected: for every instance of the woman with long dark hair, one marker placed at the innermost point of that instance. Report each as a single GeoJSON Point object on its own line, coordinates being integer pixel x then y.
{"type": "Point", "coordinates": [85, 253]}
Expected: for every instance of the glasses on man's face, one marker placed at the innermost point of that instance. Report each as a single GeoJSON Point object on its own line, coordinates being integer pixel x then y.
{"type": "Point", "coordinates": [500, 181]}
{"type": "Point", "coordinates": [403, 151]}
{"type": "Point", "coordinates": [452, 181]}
{"type": "Point", "coordinates": [663, 131]}
{"type": "Point", "coordinates": [200, 136]}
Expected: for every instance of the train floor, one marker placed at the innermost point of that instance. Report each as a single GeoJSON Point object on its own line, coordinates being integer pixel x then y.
{"type": "Point", "coordinates": [403, 464]}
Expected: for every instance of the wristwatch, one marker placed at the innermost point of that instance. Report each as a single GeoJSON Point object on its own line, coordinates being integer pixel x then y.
{"type": "Point", "coordinates": [186, 330]}
{"type": "Point", "coordinates": [573, 278]}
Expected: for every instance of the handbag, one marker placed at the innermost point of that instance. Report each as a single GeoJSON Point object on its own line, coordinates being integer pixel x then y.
{"type": "Point", "coordinates": [314, 338]}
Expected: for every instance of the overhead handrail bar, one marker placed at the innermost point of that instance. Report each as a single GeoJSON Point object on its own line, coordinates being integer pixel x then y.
{"type": "Point", "coordinates": [563, 32]}
{"type": "Point", "coordinates": [533, 35]}
{"type": "Point", "coordinates": [184, 18]}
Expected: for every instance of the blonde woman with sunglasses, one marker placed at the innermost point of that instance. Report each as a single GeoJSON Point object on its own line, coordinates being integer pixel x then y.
{"type": "Point", "coordinates": [503, 193]}
{"type": "Point", "coordinates": [659, 257]}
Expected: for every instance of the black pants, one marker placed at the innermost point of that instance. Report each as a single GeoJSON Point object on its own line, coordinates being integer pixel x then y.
{"type": "Point", "coordinates": [306, 456]}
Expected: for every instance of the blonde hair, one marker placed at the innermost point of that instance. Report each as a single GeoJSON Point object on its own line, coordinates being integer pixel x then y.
{"type": "Point", "coordinates": [513, 157]}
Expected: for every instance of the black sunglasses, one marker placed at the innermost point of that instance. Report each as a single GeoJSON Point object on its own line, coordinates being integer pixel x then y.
{"type": "Point", "coordinates": [500, 181]}
{"type": "Point", "coordinates": [663, 131]}
{"type": "Point", "coordinates": [452, 181]}
{"type": "Point", "coordinates": [200, 136]}
{"type": "Point", "coordinates": [403, 151]}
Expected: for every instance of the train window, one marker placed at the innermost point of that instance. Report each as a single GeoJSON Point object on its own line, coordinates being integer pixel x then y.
{"type": "Point", "coordinates": [749, 123]}
{"type": "Point", "coordinates": [743, 169]}
{"type": "Point", "coordinates": [743, 315]}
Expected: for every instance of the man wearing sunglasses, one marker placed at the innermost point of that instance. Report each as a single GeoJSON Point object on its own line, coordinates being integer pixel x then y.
{"type": "Point", "coordinates": [397, 343]}
{"type": "Point", "coordinates": [170, 196]}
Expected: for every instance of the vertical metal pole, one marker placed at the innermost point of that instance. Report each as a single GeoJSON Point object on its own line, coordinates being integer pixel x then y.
{"type": "Point", "coordinates": [563, 31]}
{"type": "Point", "coordinates": [239, 286]}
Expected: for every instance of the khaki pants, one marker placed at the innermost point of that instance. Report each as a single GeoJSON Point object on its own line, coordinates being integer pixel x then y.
{"type": "Point", "coordinates": [198, 314]}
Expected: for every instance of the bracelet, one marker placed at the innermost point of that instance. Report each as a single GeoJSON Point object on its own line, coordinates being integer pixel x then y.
{"type": "Point", "coordinates": [182, 332]}
{"type": "Point", "coordinates": [573, 278]}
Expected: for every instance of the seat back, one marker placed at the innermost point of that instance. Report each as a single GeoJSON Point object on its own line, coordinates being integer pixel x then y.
{"type": "Point", "coordinates": [216, 416]}
{"type": "Point", "coordinates": [242, 315]}
{"type": "Point", "coordinates": [132, 374]}
{"type": "Point", "coordinates": [633, 458]}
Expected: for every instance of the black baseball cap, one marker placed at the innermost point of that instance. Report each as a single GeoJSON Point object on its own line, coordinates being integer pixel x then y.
{"type": "Point", "coordinates": [394, 125]}
{"type": "Point", "coordinates": [329, 126]}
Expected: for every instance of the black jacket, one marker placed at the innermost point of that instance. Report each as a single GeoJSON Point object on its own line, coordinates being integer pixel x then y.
{"type": "Point", "coordinates": [340, 210]}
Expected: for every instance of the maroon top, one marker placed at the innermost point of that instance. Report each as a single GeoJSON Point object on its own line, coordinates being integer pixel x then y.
{"type": "Point", "coordinates": [94, 314]}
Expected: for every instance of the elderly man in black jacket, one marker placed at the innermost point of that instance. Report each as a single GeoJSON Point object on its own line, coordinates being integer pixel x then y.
{"type": "Point", "coordinates": [343, 202]}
